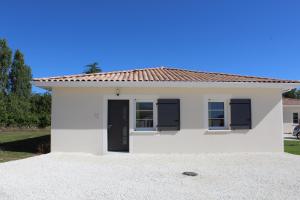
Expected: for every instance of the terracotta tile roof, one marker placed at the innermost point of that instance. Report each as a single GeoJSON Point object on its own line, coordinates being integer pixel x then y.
{"type": "Point", "coordinates": [291, 102]}
{"type": "Point", "coordinates": [161, 74]}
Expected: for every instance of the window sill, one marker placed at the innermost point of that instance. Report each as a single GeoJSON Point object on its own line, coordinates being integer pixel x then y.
{"type": "Point", "coordinates": [138, 132]}
{"type": "Point", "coordinates": [219, 131]}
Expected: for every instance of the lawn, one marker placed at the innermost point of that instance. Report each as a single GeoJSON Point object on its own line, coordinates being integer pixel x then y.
{"type": "Point", "coordinates": [292, 147]}
{"type": "Point", "coordinates": [16, 145]}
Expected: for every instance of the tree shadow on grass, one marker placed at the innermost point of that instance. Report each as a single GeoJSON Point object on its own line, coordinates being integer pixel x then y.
{"type": "Point", "coordinates": [31, 145]}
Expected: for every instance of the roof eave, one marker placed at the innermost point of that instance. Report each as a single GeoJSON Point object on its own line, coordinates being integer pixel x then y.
{"type": "Point", "coordinates": [165, 84]}
{"type": "Point", "coordinates": [291, 105]}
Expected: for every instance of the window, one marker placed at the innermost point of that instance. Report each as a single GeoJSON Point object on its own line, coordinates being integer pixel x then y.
{"type": "Point", "coordinates": [216, 115]}
{"type": "Point", "coordinates": [295, 118]}
{"type": "Point", "coordinates": [144, 115]}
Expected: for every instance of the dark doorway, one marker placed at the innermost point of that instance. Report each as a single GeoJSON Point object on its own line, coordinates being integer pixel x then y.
{"type": "Point", "coordinates": [118, 125]}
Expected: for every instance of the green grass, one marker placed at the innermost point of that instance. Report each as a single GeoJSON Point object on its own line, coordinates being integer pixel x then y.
{"type": "Point", "coordinates": [11, 136]}
{"type": "Point", "coordinates": [6, 156]}
{"type": "Point", "coordinates": [16, 145]}
{"type": "Point", "coordinates": [292, 147]}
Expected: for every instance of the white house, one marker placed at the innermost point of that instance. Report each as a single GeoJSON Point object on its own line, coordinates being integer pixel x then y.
{"type": "Point", "coordinates": [165, 110]}
{"type": "Point", "coordinates": [291, 114]}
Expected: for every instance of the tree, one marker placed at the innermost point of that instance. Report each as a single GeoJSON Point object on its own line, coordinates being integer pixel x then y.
{"type": "Point", "coordinates": [92, 68]}
{"type": "Point", "coordinates": [41, 108]}
{"type": "Point", "coordinates": [3, 113]}
{"type": "Point", "coordinates": [5, 62]}
{"type": "Point", "coordinates": [20, 76]}
{"type": "Point", "coordinates": [18, 112]}
{"type": "Point", "coordinates": [294, 94]}
{"type": "Point", "coordinates": [18, 107]}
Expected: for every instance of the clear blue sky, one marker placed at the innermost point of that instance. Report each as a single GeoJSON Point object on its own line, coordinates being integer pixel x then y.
{"type": "Point", "coordinates": [243, 37]}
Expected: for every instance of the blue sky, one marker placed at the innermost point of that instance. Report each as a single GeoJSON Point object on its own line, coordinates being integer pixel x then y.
{"type": "Point", "coordinates": [242, 37]}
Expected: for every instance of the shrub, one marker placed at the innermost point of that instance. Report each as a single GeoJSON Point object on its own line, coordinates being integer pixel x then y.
{"type": "Point", "coordinates": [20, 112]}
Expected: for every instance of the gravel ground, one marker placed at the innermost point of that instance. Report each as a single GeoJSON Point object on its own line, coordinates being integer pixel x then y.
{"type": "Point", "coordinates": [289, 137]}
{"type": "Point", "coordinates": [123, 176]}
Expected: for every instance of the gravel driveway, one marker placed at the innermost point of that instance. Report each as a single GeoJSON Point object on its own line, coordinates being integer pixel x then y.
{"type": "Point", "coordinates": [157, 177]}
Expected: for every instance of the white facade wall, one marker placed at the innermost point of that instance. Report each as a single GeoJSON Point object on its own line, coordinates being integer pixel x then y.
{"type": "Point", "coordinates": [79, 121]}
{"type": "Point", "coordinates": [75, 121]}
{"type": "Point", "coordinates": [288, 118]}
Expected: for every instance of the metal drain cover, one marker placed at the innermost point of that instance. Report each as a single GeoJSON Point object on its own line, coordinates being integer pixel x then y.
{"type": "Point", "coordinates": [190, 173]}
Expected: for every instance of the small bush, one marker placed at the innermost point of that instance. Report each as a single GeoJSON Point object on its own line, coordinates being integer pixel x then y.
{"type": "Point", "coordinates": [44, 121]}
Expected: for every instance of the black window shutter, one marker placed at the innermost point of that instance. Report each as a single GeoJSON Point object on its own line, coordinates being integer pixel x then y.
{"type": "Point", "coordinates": [241, 114]}
{"type": "Point", "coordinates": [168, 114]}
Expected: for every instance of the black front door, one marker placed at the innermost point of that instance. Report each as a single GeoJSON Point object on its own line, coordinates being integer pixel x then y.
{"type": "Point", "coordinates": [118, 125]}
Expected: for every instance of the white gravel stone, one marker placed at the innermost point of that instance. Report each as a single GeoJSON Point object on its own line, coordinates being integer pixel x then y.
{"type": "Point", "coordinates": [128, 177]}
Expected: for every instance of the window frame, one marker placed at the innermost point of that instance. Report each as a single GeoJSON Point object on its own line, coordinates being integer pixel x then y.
{"type": "Point", "coordinates": [154, 115]}
{"type": "Point", "coordinates": [225, 102]}
{"type": "Point", "coordinates": [294, 118]}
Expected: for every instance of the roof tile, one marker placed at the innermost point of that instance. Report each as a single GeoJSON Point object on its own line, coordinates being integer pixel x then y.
{"type": "Point", "coordinates": [162, 74]}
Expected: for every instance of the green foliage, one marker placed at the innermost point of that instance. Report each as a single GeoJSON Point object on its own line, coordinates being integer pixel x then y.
{"type": "Point", "coordinates": [294, 94]}
{"type": "Point", "coordinates": [18, 106]}
{"type": "Point", "coordinates": [44, 121]}
{"type": "Point", "coordinates": [92, 68]}
{"type": "Point", "coordinates": [21, 112]}
{"type": "Point", "coordinates": [41, 108]}
{"type": "Point", "coordinates": [3, 113]}
{"type": "Point", "coordinates": [5, 62]}
{"type": "Point", "coordinates": [20, 76]}
{"type": "Point", "coordinates": [18, 110]}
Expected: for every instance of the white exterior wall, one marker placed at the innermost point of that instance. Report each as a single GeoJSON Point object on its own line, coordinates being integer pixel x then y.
{"type": "Point", "coordinates": [288, 117]}
{"type": "Point", "coordinates": [79, 121]}
{"type": "Point", "coordinates": [75, 121]}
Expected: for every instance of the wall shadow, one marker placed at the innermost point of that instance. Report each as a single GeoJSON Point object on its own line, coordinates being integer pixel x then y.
{"type": "Point", "coordinates": [31, 145]}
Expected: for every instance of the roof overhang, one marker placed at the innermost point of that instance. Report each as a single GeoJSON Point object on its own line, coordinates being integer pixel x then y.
{"type": "Point", "coordinates": [163, 84]}
{"type": "Point", "coordinates": [298, 106]}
